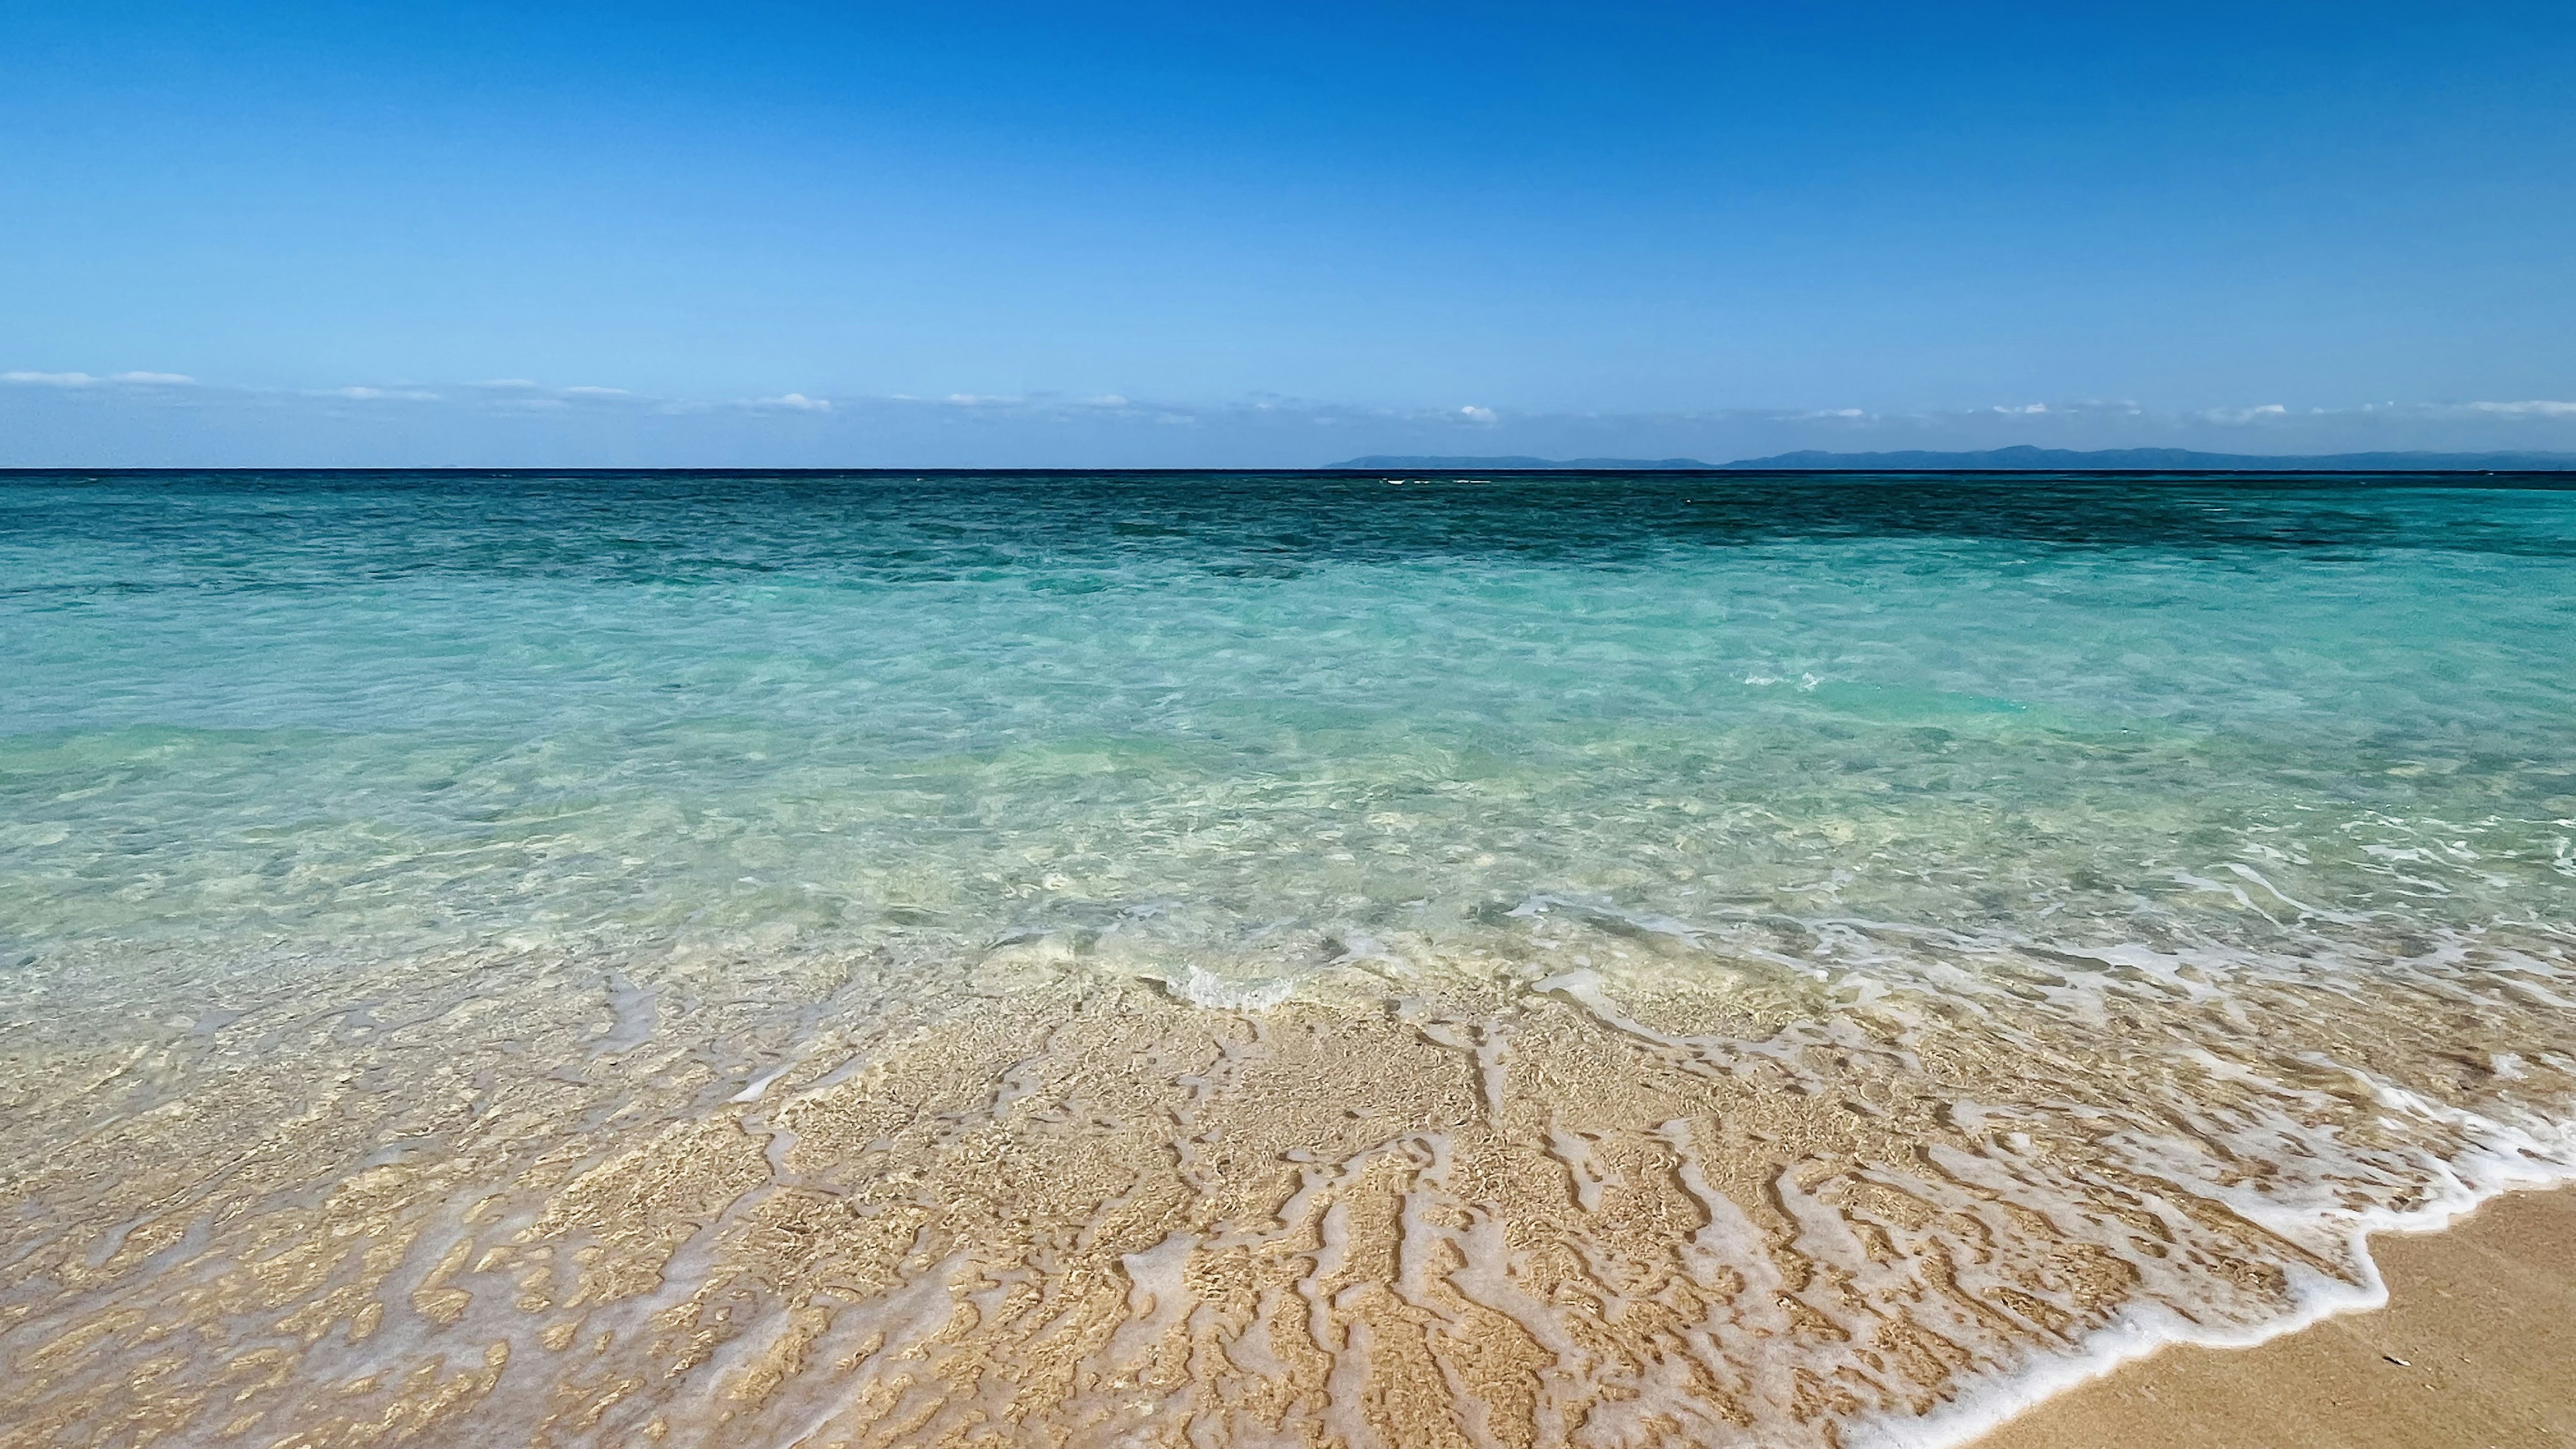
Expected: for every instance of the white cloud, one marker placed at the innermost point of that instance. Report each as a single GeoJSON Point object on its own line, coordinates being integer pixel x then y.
{"type": "Point", "coordinates": [2535, 408]}
{"type": "Point", "coordinates": [518, 394]}
{"type": "Point", "coordinates": [2245, 415]}
{"type": "Point", "coordinates": [394, 394]}
{"type": "Point", "coordinates": [1477, 415]}
{"type": "Point", "coordinates": [83, 379]}
{"type": "Point", "coordinates": [796, 400]}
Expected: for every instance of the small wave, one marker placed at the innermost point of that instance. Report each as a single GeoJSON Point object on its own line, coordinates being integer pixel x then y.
{"type": "Point", "coordinates": [1201, 987]}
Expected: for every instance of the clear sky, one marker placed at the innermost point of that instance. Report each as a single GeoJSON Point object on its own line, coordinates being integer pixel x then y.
{"type": "Point", "coordinates": [1008, 233]}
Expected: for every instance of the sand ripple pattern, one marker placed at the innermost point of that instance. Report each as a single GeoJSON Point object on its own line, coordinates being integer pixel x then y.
{"type": "Point", "coordinates": [1833, 1183]}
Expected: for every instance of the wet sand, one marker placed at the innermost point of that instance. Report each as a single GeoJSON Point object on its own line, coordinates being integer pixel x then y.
{"type": "Point", "coordinates": [2475, 1350]}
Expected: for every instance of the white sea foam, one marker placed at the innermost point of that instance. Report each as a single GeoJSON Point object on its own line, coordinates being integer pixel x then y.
{"type": "Point", "coordinates": [1201, 987]}
{"type": "Point", "coordinates": [2539, 1162]}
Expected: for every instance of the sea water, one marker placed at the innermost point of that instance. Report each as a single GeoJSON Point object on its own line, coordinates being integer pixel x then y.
{"type": "Point", "coordinates": [1234, 959]}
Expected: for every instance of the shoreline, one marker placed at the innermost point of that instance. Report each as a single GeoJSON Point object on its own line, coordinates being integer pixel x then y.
{"type": "Point", "coordinates": [2472, 1345]}
{"type": "Point", "coordinates": [1264, 1202]}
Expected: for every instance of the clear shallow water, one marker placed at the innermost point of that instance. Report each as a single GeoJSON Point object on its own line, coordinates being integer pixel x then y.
{"type": "Point", "coordinates": [919, 958]}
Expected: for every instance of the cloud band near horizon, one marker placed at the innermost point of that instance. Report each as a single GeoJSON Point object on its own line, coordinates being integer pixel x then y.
{"type": "Point", "coordinates": [141, 418]}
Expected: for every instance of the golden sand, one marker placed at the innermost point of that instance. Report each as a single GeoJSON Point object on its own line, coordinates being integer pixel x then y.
{"type": "Point", "coordinates": [2475, 1350]}
{"type": "Point", "coordinates": [770, 1200]}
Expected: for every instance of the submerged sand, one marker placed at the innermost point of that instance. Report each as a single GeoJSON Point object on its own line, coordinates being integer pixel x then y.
{"type": "Point", "coordinates": [2476, 1349]}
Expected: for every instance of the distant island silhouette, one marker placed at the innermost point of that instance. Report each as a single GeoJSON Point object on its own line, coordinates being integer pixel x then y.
{"type": "Point", "coordinates": [2022, 459]}
{"type": "Point", "coordinates": [1506, 465]}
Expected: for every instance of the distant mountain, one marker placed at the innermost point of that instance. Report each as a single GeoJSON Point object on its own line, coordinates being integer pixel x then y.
{"type": "Point", "coordinates": [2026, 459]}
{"type": "Point", "coordinates": [1377, 462]}
{"type": "Point", "coordinates": [2023, 459]}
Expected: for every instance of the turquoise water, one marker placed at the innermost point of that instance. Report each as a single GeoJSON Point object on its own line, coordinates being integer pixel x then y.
{"type": "Point", "coordinates": [619, 706]}
{"type": "Point", "coordinates": [1299, 744]}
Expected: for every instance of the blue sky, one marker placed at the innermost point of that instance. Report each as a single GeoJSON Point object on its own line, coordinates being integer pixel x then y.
{"type": "Point", "coordinates": [768, 233]}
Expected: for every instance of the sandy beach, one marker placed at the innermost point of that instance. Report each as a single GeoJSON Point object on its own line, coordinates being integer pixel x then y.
{"type": "Point", "coordinates": [1251, 960]}
{"type": "Point", "coordinates": [2475, 1350]}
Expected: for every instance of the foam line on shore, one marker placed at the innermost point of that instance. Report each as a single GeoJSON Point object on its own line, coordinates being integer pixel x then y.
{"type": "Point", "coordinates": [2151, 1329]}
